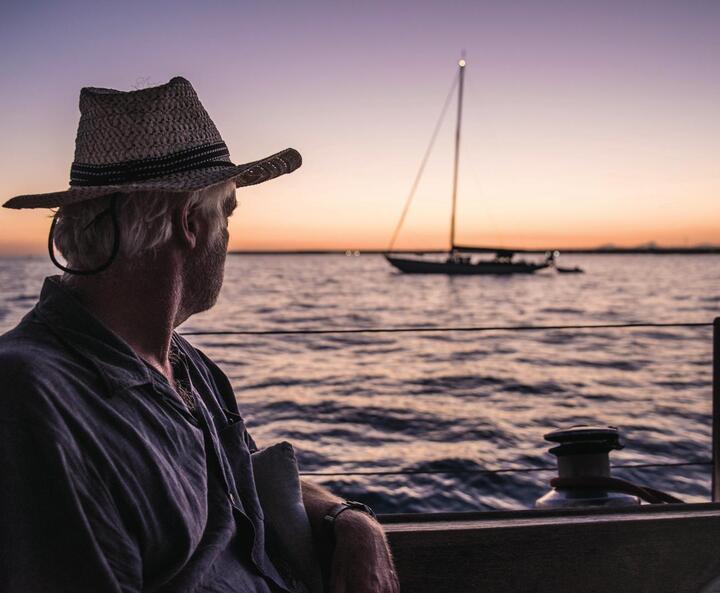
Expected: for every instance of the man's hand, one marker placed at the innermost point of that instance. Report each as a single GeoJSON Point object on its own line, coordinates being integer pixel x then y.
{"type": "Point", "coordinates": [361, 562]}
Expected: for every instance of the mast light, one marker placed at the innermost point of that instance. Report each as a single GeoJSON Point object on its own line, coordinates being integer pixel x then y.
{"type": "Point", "coordinates": [461, 63]}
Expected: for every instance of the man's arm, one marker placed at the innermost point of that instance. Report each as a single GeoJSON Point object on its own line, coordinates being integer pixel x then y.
{"type": "Point", "coordinates": [359, 558]}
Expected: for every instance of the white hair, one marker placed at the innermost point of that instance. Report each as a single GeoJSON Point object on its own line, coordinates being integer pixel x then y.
{"type": "Point", "coordinates": [84, 231]}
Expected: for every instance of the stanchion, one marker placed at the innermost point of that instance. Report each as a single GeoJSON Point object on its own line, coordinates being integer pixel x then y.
{"type": "Point", "coordinates": [716, 412]}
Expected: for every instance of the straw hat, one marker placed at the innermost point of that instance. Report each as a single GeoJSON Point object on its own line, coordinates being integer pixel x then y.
{"type": "Point", "coordinates": [159, 138]}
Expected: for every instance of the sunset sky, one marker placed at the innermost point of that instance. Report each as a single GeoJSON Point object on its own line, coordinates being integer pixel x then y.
{"type": "Point", "coordinates": [586, 122]}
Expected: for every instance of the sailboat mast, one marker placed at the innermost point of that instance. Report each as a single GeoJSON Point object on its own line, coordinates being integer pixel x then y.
{"type": "Point", "coordinates": [461, 65]}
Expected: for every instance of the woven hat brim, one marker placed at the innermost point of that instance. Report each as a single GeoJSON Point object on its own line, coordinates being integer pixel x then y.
{"type": "Point", "coordinates": [260, 171]}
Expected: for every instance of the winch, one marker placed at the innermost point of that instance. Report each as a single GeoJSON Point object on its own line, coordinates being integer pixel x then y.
{"type": "Point", "coordinates": [583, 459]}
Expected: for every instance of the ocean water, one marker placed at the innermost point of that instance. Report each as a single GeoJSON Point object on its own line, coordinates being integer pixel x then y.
{"type": "Point", "coordinates": [409, 422]}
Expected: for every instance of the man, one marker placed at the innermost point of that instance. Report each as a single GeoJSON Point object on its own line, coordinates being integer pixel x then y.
{"type": "Point", "coordinates": [125, 462]}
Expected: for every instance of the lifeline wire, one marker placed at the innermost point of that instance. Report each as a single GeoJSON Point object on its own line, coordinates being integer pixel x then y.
{"type": "Point", "coordinates": [398, 330]}
{"type": "Point", "coordinates": [505, 470]}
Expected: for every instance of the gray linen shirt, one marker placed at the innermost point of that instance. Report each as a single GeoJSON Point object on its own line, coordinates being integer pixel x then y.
{"type": "Point", "coordinates": [107, 482]}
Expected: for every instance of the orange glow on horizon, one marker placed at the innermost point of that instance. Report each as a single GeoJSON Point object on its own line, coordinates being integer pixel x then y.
{"type": "Point", "coordinates": [25, 233]}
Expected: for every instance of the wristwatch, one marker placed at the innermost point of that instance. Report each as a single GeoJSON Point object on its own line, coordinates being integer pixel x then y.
{"type": "Point", "coordinates": [333, 513]}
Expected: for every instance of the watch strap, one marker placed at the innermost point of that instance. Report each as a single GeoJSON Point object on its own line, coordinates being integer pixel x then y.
{"type": "Point", "coordinates": [332, 515]}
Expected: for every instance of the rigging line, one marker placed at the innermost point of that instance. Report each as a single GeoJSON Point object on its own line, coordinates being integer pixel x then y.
{"type": "Point", "coordinates": [423, 163]}
{"type": "Point", "coordinates": [483, 202]}
{"type": "Point", "coordinates": [507, 470]}
{"type": "Point", "coordinates": [399, 330]}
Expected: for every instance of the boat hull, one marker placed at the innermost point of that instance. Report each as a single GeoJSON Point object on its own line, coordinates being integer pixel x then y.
{"type": "Point", "coordinates": [487, 268]}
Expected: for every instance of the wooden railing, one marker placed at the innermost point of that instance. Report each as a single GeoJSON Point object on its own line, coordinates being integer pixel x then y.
{"type": "Point", "coordinates": [647, 549]}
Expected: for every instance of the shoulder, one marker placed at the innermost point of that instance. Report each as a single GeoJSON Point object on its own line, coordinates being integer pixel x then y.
{"type": "Point", "coordinates": [33, 368]}
{"type": "Point", "coordinates": [30, 343]}
{"type": "Point", "coordinates": [26, 353]}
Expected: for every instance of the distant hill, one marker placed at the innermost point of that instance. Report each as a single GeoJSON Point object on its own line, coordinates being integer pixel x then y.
{"type": "Point", "coordinates": [647, 248]}
{"type": "Point", "coordinates": [651, 249]}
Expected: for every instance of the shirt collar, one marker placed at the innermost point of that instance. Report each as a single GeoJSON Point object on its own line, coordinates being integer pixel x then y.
{"type": "Point", "coordinates": [84, 333]}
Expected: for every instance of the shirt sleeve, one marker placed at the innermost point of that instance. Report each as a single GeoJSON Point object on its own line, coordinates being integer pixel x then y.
{"type": "Point", "coordinates": [59, 530]}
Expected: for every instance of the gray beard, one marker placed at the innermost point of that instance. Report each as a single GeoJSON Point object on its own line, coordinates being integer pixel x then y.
{"type": "Point", "coordinates": [203, 276]}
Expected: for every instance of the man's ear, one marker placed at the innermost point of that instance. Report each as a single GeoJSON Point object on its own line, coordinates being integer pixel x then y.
{"type": "Point", "coordinates": [186, 221]}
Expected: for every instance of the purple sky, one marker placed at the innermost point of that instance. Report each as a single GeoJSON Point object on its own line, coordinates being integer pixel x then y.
{"type": "Point", "coordinates": [586, 121]}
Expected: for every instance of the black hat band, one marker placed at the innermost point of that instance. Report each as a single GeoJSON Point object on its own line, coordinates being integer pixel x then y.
{"type": "Point", "coordinates": [201, 157]}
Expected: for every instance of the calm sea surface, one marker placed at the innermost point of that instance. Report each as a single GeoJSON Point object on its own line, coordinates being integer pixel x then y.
{"type": "Point", "coordinates": [457, 402]}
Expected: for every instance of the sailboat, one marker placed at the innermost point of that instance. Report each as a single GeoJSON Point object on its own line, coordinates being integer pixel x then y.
{"type": "Point", "coordinates": [457, 262]}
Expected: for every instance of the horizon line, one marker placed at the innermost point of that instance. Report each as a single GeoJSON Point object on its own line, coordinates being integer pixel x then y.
{"type": "Point", "coordinates": [656, 250]}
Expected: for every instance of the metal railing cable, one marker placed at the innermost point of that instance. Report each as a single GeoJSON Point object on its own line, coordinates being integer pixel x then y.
{"type": "Point", "coordinates": [431, 329]}
{"type": "Point", "coordinates": [503, 470]}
